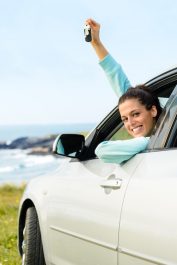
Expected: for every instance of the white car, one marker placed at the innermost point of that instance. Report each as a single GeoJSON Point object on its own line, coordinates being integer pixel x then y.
{"type": "Point", "coordinates": [94, 213]}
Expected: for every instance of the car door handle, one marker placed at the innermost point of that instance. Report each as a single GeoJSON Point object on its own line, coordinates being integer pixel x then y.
{"type": "Point", "coordinates": [112, 182]}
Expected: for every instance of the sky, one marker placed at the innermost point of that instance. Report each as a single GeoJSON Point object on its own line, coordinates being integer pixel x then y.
{"type": "Point", "coordinates": [49, 74]}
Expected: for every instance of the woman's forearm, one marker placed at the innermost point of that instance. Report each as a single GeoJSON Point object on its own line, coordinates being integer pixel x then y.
{"type": "Point", "coordinates": [100, 50]}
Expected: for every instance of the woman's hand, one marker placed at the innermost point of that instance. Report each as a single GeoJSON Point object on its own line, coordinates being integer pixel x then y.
{"type": "Point", "coordinates": [95, 31]}
{"type": "Point", "coordinates": [96, 43]}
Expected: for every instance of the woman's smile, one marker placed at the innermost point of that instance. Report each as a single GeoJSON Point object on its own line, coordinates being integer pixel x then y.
{"type": "Point", "coordinates": [138, 129]}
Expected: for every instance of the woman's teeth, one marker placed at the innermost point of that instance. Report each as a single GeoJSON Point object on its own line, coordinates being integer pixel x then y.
{"type": "Point", "coordinates": [137, 129]}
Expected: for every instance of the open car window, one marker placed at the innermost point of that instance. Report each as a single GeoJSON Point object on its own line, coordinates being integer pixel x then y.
{"type": "Point", "coordinates": [121, 134]}
{"type": "Point", "coordinates": [111, 128]}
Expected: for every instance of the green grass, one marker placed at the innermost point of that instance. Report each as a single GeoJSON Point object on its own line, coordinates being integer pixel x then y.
{"type": "Point", "coordinates": [9, 203]}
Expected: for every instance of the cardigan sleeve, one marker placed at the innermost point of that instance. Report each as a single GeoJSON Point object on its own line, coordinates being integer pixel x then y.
{"type": "Point", "coordinates": [121, 150]}
{"type": "Point", "coordinates": [115, 74]}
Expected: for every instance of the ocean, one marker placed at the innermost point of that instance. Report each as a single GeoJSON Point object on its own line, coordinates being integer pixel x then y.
{"type": "Point", "coordinates": [16, 166]}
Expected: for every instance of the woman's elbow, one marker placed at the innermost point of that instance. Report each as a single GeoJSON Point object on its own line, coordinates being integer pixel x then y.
{"type": "Point", "coordinates": [98, 152]}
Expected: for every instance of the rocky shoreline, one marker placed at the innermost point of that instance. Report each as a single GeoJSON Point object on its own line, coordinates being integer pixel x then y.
{"type": "Point", "coordinates": [35, 145]}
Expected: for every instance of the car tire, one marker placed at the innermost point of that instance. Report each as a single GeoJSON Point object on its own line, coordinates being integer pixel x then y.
{"type": "Point", "coordinates": [32, 244]}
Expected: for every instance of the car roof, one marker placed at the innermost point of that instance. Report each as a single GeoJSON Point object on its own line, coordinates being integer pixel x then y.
{"type": "Point", "coordinates": [163, 76]}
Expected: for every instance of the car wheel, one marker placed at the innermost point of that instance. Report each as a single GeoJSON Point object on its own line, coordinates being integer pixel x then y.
{"type": "Point", "coordinates": [32, 244]}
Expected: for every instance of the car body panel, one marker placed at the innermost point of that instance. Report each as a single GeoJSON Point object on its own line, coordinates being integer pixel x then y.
{"type": "Point", "coordinates": [87, 216]}
{"type": "Point", "coordinates": [149, 214]}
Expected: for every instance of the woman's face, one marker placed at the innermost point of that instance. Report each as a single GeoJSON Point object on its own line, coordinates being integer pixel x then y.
{"type": "Point", "coordinates": [137, 120]}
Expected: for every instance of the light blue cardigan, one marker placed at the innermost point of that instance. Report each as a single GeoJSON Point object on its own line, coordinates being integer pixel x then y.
{"type": "Point", "coordinates": [120, 150]}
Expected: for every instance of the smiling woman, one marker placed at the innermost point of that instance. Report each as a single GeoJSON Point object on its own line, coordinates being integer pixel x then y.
{"type": "Point", "coordinates": [139, 109]}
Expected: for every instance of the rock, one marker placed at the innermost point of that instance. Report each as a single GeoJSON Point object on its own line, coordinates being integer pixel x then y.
{"type": "Point", "coordinates": [3, 145]}
{"type": "Point", "coordinates": [30, 142]}
{"type": "Point", "coordinates": [36, 145]}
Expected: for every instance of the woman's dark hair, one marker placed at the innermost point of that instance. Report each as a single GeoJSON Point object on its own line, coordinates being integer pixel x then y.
{"type": "Point", "coordinates": [144, 96]}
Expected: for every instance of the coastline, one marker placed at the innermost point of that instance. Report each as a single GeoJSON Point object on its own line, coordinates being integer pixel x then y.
{"type": "Point", "coordinates": [34, 145]}
{"type": "Point", "coordinates": [26, 158]}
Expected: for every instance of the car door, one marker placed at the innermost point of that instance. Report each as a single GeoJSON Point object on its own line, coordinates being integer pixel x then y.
{"type": "Point", "coordinates": [84, 205]}
{"type": "Point", "coordinates": [148, 227]}
{"type": "Point", "coordinates": [83, 211]}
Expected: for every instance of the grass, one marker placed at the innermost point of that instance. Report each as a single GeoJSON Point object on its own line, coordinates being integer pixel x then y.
{"type": "Point", "coordinates": [9, 203]}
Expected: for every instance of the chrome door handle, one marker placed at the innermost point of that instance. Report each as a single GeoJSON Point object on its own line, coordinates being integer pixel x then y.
{"type": "Point", "coordinates": [112, 182]}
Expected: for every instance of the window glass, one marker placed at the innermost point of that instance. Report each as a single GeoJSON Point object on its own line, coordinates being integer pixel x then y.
{"type": "Point", "coordinates": [173, 136]}
{"type": "Point", "coordinates": [163, 101]}
{"type": "Point", "coordinates": [121, 134]}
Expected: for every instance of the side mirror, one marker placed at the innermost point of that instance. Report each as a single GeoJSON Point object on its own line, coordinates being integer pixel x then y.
{"type": "Point", "coordinates": [70, 145]}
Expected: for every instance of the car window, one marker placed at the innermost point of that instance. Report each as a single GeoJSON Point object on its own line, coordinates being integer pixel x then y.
{"type": "Point", "coordinates": [111, 128]}
{"type": "Point", "coordinates": [174, 135]}
{"type": "Point", "coordinates": [172, 139]}
{"type": "Point", "coordinates": [163, 101]}
{"type": "Point", "coordinates": [165, 133]}
{"type": "Point", "coordinates": [121, 134]}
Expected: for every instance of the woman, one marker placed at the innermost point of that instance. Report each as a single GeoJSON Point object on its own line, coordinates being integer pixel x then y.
{"type": "Point", "coordinates": [139, 109]}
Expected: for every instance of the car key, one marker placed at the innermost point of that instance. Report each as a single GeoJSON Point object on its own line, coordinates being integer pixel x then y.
{"type": "Point", "coordinates": [87, 33]}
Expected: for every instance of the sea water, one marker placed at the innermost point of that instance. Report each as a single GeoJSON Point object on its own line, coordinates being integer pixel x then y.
{"type": "Point", "coordinates": [16, 166]}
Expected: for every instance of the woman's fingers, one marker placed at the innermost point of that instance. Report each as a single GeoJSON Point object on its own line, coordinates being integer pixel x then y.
{"type": "Point", "coordinates": [93, 24]}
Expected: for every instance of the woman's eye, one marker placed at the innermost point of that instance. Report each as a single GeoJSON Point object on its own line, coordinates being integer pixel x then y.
{"type": "Point", "coordinates": [124, 120]}
{"type": "Point", "coordinates": [136, 114]}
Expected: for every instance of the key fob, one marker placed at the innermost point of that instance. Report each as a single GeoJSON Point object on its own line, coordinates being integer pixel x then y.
{"type": "Point", "coordinates": [87, 33]}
